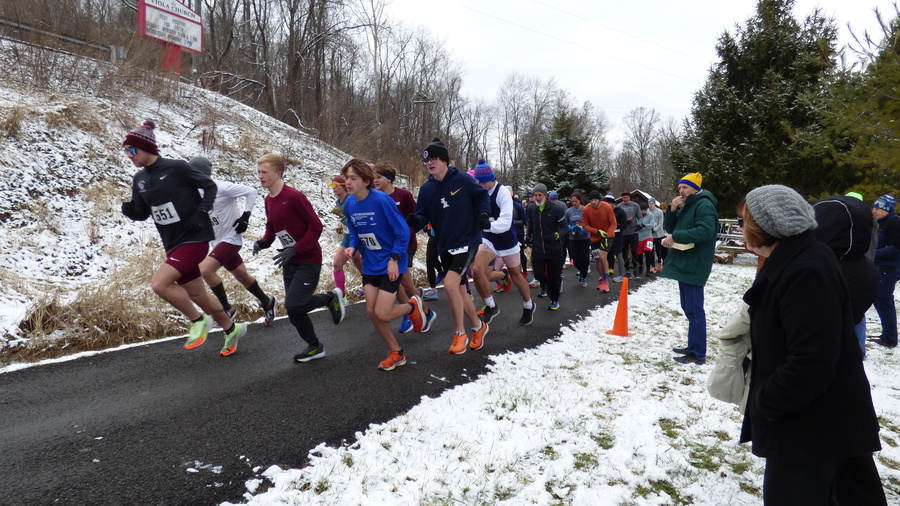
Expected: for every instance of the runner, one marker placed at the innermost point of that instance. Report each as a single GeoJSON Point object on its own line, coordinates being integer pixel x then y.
{"type": "Point", "coordinates": [599, 220]}
{"type": "Point", "coordinates": [380, 233]}
{"type": "Point", "coordinates": [457, 208]}
{"type": "Point", "coordinates": [385, 173]}
{"type": "Point", "coordinates": [229, 222]}
{"type": "Point", "coordinates": [291, 218]}
{"type": "Point", "coordinates": [499, 240]}
{"type": "Point", "coordinates": [339, 189]}
{"type": "Point", "coordinates": [168, 191]}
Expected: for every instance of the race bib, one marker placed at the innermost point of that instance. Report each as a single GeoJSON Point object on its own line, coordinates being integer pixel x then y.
{"type": "Point", "coordinates": [164, 214]}
{"type": "Point", "coordinates": [214, 220]}
{"type": "Point", "coordinates": [369, 241]}
{"type": "Point", "coordinates": [285, 238]}
{"type": "Point", "coordinates": [459, 251]}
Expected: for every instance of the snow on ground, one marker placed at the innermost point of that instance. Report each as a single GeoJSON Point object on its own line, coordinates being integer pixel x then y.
{"type": "Point", "coordinates": [587, 418]}
{"type": "Point", "coordinates": [64, 175]}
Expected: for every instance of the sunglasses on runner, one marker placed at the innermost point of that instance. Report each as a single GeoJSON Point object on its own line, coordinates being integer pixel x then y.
{"type": "Point", "coordinates": [336, 184]}
{"type": "Point", "coordinates": [130, 151]}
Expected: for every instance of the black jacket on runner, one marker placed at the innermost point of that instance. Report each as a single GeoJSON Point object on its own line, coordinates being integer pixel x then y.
{"type": "Point", "coordinates": [167, 191]}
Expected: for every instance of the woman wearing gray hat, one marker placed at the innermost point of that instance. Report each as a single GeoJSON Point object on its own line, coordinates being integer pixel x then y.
{"type": "Point", "coordinates": [809, 411]}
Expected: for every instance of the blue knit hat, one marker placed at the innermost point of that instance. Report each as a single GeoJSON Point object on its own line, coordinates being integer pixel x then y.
{"type": "Point", "coordinates": [886, 203]}
{"type": "Point", "coordinates": [483, 172]}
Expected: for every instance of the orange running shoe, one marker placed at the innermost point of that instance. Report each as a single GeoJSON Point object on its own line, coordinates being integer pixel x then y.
{"type": "Point", "coordinates": [394, 359]}
{"type": "Point", "coordinates": [417, 316]}
{"type": "Point", "coordinates": [478, 336]}
{"type": "Point", "coordinates": [458, 347]}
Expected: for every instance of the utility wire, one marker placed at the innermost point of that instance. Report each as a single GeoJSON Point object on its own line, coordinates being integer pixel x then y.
{"type": "Point", "coordinates": [625, 60]}
{"type": "Point", "coordinates": [582, 18]}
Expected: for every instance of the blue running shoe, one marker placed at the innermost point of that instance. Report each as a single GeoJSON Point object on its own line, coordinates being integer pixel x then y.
{"type": "Point", "coordinates": [428, 319]}
{"type": "Point", "coordinates": [405, 325]}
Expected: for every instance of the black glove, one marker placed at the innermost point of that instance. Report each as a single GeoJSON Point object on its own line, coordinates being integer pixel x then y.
{"type": "Point", "coordinates": [576, 230]}
{"type": "Point", "coordinates": [413, 221]}
{"type": "Point", "coordinates": [200, 219]}
{"type": "Point", "coordinates": [527, 241]}
{"type": "Point", "coordinates": [285, 255]}
{"type": "Point", "coordinates": [259, 245]}
{"type": "Point", "coordinates": [130, 210]}
{"type": "Point", "coordinates": [240, 224]}
{"type": "Point", "coordinates": [639, 226]}
{"type": "Point", "coordinates": [484, 221]}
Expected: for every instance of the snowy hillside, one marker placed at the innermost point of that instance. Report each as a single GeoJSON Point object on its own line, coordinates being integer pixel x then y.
{"type": "Point", "coordinates": [64, 174]}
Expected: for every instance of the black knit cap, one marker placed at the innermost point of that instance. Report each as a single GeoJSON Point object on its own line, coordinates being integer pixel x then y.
{"type": "Point", "coordinates": [438, 149]}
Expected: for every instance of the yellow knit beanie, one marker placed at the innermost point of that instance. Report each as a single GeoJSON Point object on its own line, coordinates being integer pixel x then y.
{"type": "Point", "coordinates": [693, 179]}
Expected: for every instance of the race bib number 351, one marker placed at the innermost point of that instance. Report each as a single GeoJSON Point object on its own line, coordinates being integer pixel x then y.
{"type": "Point", "coordinates": [164, 214]}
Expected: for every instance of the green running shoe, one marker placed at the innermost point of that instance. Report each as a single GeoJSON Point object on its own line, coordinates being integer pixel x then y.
{"type": "Point", "coordinates": [198, 332]}
{"type": "Point", "coordinates": [231, 339]}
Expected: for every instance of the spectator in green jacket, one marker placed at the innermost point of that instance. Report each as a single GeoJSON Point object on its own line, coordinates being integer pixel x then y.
{"type": "Point", "coordinates": [691, 225]}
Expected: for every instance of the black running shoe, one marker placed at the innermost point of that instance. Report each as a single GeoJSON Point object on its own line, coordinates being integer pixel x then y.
{"type": "Point", "coordinates": [310, 353]}
{"type": "Point", "coordinates": [489, 313]}
{"type": "Point", "coordinates": [336, 306]}
{"type": "Point", "coordinates": [527, 315]}
{"type": "Point", "coordinates": [270, 311]}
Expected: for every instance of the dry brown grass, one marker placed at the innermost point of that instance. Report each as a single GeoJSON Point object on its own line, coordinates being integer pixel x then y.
{"type": "Point", "coordinates": [118, 310]}
{"type": "Point", "coordinates": [103, 199]}
{"type": "Point", "coordinates": [122, 309]}
{"type": "Point", "coordinates": [12, 125]}
{"type": "Point", "coordinates": [79, 114]}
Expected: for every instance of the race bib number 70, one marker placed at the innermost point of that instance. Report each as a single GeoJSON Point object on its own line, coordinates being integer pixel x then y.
{"type": "Point", "coordinates": [164, 214]}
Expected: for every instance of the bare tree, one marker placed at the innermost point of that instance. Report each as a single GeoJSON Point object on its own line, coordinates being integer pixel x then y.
{"type": "Point", "coordinates": [525, 107]}
{"type": "Point", "coordinates": [641, 136]}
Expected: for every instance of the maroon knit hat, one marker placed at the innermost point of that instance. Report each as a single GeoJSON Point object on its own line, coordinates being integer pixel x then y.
{"type": "Point", "coordinates": [143, 138]}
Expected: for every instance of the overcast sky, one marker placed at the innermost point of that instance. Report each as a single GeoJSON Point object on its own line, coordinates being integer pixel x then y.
{"type": "Point", "coordinates": [618, 55]}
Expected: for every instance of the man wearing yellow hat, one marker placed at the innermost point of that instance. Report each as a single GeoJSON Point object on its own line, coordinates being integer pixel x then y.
{"type": "Point", "coordinates": [691, 225]}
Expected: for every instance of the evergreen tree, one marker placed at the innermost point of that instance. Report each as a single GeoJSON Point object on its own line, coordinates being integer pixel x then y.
{"type": "Point", "coordinates": [742, 130]}
{"type": "Point", "coordinates": [564, 158]}
{"type": "Point", "coordinates": [859, 132]}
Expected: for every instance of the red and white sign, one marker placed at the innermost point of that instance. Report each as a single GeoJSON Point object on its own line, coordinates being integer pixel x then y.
{"type": "Point", "coordinates": [171, 21]}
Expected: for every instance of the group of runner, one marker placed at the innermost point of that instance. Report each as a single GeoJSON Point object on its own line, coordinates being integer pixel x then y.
{"type": "Point", "coordinates": [192, 213]}
{"type": "Point", "coordinates": [471, 219]}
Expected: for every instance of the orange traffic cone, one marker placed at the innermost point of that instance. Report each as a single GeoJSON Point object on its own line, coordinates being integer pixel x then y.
{"type": "Point", "coordinates": [620, 326]}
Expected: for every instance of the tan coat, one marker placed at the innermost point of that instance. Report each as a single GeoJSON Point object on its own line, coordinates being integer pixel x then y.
{"type": "Point", "coordinates": [728, 381]}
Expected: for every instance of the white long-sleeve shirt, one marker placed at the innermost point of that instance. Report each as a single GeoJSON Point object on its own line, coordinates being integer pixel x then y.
{"type": "Point", "coordinates": [227, 210]}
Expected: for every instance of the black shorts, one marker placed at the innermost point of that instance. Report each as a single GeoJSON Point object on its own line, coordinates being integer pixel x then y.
{"type": "Point", "coordinates": [602, 244]}
{"type": "Point", "coordinates": [382, 282]}
{"type": "Point", "coordinates": [458, 262]}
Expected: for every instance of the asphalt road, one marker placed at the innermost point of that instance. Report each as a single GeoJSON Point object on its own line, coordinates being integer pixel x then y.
{"type": "Point", "coordinates": [157, 424]}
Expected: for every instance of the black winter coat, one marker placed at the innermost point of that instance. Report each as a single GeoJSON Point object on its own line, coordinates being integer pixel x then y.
{"type": "Point", "coordinates": [809, 395]}
{"type": "Point", "coordinates": [846, 226]}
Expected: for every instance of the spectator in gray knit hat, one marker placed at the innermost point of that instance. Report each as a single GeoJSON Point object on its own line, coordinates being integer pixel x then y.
{"type": "Point", "coordinates": [809, 409]}
{"type": "Point", "coordinates": [781, 211]}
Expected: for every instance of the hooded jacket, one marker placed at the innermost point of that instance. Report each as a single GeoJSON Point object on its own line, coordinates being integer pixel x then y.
{"type": "Point", "coordinates": [452, 206]}
{"type": "Point", "coordinates": [887, 253]}
{"type": "Point", "coordinates": [695, 222]}
{"type": "Point", "coordinates": [845, 226]}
